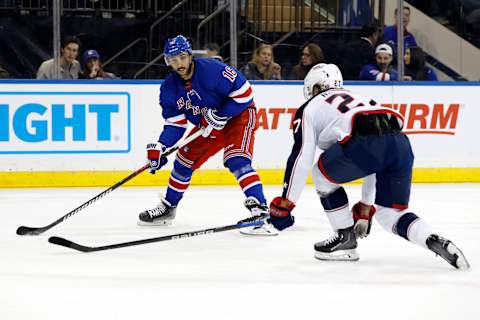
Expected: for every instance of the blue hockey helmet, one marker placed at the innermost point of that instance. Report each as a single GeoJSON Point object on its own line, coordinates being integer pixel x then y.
{"type": "Point", "coordinates": [176, 46]}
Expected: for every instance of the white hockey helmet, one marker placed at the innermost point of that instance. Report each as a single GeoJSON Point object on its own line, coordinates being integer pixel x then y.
{"type": "Point", "coordinates": [326, 76]}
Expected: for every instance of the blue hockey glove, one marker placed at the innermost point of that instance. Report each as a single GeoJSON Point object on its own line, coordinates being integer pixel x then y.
{"type": "Point", "coordinates": [280, 213]}
{"type": "Point", "coordinates": [154, 156]}
{"type": "Point", "coordinates": [211, 121]}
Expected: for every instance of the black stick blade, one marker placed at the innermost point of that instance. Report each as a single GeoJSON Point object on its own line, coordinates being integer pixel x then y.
{"type": "Point", "coordinates": [22, 230]}
{"type": "Point", "coordinates": [69, 244]}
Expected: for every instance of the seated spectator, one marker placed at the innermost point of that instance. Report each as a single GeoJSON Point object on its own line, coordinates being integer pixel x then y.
{"type": "Point", "coordinates": [213, 51]}
{"type": "Point", "coordinates": [415, 68]}
{"type": "Point", "coordinates": [4, 73]}
{"type": "Point", "coordinates": [262, 66]}
{"type": "Point", "coordinates": [312, 54]}
{"type": "Point", "coordinates": [93, 67]}
{"type": "Point", "coordinates": [382, 69]}
{"type": "Point", "coordinates": [69, 66]}
{"type": "Point", "coordinates": [354, 55]}
{"type": "Point", "coordinates": [390, 32]}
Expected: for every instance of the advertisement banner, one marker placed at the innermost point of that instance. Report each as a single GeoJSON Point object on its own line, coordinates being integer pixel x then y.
{"type": "Point", "coordinates": [105, 126]}
{"type": "Point", "coordinates": [64, 122]}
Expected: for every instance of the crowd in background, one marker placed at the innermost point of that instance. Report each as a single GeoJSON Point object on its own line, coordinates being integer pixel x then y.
{"type": "Point", "coordinates": [371, 57]}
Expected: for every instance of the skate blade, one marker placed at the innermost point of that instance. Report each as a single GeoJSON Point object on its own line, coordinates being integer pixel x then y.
{"type": "Point", "coordinates": [262, 231]}
{"type": "Point", "coordinates": [340, 255]}
{"type": "Point", "coordinates": [154, 223]}
{"type": "Point", "coordinates": [461, 262]}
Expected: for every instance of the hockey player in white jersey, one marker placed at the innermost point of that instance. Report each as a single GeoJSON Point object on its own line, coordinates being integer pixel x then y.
{"type": "Point", "coordinates": [359, 139]}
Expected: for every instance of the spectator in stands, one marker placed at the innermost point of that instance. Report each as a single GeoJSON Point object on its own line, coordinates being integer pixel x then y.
{"type": "Point", "coordinates": [382, 69]}
{"type": "Point", "coordinates": [312, 54]}
{"type": "Point", "coordinates": [390, 32]}
{"type": "Point", "coordinates": [415, 68]}
{"type": "Point", "coordinates": [262, 66]}
{"type": "Point", "coordinates": [360, 52]}
{"type": "Point", "coordinates": [213, 51]}
{"type": "Point", "coordinates": [93, 67]}
{"type": "Point", "coordinates": [4, 73]}
{"type": "Point", "coordinates": [69, 66]}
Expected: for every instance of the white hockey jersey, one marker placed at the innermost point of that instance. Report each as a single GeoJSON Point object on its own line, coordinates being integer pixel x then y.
{"type": "Point", "coordinates": [324, 120]}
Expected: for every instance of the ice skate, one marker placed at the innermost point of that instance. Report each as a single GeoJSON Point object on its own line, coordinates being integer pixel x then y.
{"type": "Point", "coordinates": [339, 247]}
{"type": "Point", "coordinates": [259, 212]}
{"type": "Point", "coordinates": [448, 251]}
{"type": "Point", "coordinates": [161, 215]}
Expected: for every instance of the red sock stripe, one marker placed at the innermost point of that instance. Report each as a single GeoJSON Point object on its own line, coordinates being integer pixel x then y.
{"type": "Point", "coordinates": [248, 180]}
{"type": "Point", "coordinates": [178, 185]}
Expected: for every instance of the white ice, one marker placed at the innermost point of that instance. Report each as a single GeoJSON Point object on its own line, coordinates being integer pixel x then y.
{"type": "Point", "coordinates": [227, 275]}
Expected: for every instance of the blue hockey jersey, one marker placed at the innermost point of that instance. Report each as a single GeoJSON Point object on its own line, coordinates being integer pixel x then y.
{"type": "Point", "coordinates": [372, 72]}
{"type": "Point", "coordinates": [214, 85]}
{"type": "Point", "coordinates": [390, 37]}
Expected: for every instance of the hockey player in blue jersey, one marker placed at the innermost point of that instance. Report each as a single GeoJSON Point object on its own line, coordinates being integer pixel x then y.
{"type": "Point", "coordinates": [359, 139]}
{"type": "Point", "coordinates": [216, 97]}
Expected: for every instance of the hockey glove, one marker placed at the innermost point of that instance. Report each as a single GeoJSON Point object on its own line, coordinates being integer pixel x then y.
{"type": "Point", "coordinates": [154, 156]}
{"type": "Point", "coordinates": [362, 217]}
{"type": "Point", "coordinates": [211, 121]}
{"type": "Point", "coordinates": [280, 209]}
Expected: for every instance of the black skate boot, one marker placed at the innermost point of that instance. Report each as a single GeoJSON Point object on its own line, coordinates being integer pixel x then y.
{"type": "Point", "coordinates": [448, 251]}
{"type": "Point", "coordinates": [339, 247]}
{"type": "Point", "coordinates": [259, 212]}
{"type": "Point", "coordinates": [161, 215]}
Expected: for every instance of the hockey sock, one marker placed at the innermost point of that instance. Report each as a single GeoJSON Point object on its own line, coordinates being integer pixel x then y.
{"type": "Point", "coordinates": [410, 227]}
{"type": "Point", "coordinates": [336, 207]}
{"type": "Point", "coordinates": [247, 178]}
{"type": "Point", "coordinates": [405, 224]}
{"type": "Point", "coordinates": [178, 183]}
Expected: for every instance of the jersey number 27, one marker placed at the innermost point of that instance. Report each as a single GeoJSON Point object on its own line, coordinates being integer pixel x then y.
{"type": "Point", "coordinates": [345, 103]}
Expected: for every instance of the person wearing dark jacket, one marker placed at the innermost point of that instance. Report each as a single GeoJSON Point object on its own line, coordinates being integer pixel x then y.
{"type": "Point", "coordinates": [360, 52]}
{"type": "Point", "coordinates": [415, 68]}
{"type": "Point", "coordinates": [263, 65]}
{"type": "Point", "coordinates": [312, 54]}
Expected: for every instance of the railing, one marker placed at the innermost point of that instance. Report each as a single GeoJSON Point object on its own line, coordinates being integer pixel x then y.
{"type": "Point", "coordinates": [123, 6]}
{"type": "Point", "coordinates": [220, 9]}
{"type": "Point", "coordinates": [34, 5]}
{"type": "Point", "coordinates": [157, 23]}
{"type": "Point", "coordinates": [148, 66]}
{"type": "Point", "coordinates": [126, 48]}
{"type": "Point", "coordinates": [278, 17]}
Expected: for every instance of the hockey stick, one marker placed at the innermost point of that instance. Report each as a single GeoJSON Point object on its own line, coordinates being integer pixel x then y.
{"type": "Point", "coordinates": [70, 244]}
{"type": "Point", "coordinates": [23, 230]}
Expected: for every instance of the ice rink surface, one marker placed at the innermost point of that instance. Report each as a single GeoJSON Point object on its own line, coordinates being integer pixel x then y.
{"type": "Point", "coordinates": [227, 275]}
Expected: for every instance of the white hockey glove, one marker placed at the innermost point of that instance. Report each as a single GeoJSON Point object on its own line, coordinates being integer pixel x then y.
{"type": "Point", "coordinates": [211, 121]}
{"type": "Point", "coordinates": [362, 217]}
{"type": "Point", "coordinates": [154, 156]}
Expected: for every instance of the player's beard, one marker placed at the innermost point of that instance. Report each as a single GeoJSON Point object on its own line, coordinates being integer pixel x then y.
{"type": "Point", "coordinates": [188, 74]}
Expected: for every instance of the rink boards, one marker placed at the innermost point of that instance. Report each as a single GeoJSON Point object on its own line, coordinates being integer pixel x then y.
{"type": "Point", "coordinates": [81, 133]}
